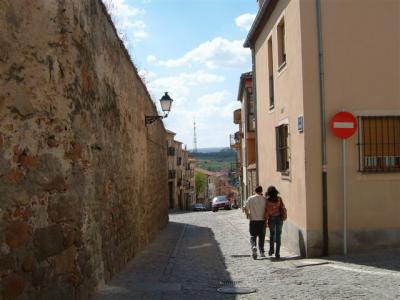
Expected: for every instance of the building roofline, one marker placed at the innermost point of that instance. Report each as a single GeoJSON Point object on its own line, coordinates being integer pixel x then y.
{"type": "Point", "coordinates": [170, 132]}
{"type": "Point", "coordinates": [243, 77]}
{"type": "Point", "coordinates": [261, 19]}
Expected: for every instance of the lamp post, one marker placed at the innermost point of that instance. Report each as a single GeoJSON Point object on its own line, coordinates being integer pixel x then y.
{"type": "Point", "coordinates": [166, 103]}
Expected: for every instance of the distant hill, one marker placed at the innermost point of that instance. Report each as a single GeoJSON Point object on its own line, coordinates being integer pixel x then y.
{"type": "Point", "coordinates": [209, 150]}
{"type": "Point", "coordinates": [215, 161]}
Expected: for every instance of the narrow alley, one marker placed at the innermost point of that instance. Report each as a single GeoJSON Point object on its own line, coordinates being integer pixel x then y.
{"type": "Point", "coordinates": [200, 252]}
{"type": "Point", "coordinates": [121, 118]}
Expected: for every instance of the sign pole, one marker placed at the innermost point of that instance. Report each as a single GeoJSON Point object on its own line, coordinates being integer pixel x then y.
{"type": "Point", "coordinates": [344, 198]}
{"type": "Point", "coordinates": [344, 125]}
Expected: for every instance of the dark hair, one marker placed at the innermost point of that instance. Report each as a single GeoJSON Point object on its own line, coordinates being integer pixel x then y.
{"type": "Point", "coordinates": [272, 194]}
{"type": "Point", "coordinates": [258, 189]}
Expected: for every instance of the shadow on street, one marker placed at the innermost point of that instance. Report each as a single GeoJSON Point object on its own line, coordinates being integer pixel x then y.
{"type": "Point", "coordinates": [388, 259]}
{"type": "Point", "coordinates": [184, 261]}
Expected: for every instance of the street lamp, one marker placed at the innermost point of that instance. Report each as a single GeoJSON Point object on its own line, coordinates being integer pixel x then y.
{"type": "Point", "coordinates": [166, 103]}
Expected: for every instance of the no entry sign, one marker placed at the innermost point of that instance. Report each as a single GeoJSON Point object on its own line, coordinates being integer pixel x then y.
{"type": "Point", "coordinates": [343, 124]}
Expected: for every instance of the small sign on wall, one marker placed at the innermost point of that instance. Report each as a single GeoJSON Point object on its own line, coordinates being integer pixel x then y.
{"type": "Point", "coordinates": [300, 124]}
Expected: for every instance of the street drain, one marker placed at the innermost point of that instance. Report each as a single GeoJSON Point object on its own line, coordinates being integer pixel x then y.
{"type": "Point", "coordinates": [240, 255]}
{"type": "Point", "coordinates": [229, 282]}
{"type": "Point", "coordinates": [236, 290]}
{"type": "Point", "coordinates": [310, 263]}
{"type": "Point", "coordinates": [229, 287]}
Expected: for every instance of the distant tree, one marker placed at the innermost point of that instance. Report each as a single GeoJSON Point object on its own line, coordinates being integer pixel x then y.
{"type": "Point", "coordinates": [201, 183]}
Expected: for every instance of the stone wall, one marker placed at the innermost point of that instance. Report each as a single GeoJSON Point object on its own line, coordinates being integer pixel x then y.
{"type": "Point", "coordinates": [83, 182]}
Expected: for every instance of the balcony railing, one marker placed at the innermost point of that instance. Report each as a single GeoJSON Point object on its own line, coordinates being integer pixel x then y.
{"type": "Point", "coordinates": [171, 174]}
{"type": "Point", "coordinates": [237, 116]}
{"type": "Point", "coordinates": [171, 151]}
{"type": "Point", "coordinates": [235, 140]}
{"type": "Point", "coordinates": [236, 169]}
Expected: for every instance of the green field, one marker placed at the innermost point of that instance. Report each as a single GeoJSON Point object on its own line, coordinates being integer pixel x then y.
{"type": "Point", "coordinates": [214, 166]}
{"type": "Point", "coordinates": [215, 161]}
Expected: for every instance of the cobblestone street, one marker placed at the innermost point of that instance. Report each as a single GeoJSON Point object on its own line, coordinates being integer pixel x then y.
{"type": "Point", "coordinates": [197, 253]}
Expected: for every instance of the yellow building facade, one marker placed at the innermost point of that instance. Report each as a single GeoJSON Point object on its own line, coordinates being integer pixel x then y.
{"type": "Point", "coordinates": [312, 59]}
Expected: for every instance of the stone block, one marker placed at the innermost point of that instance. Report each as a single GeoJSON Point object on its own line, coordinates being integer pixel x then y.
{"type": "Point", "coordinates": [29, 263]}
{"type": "Point", "coordinates": [72, 237]}
{"type": "Point", "coordinates": [21, 197]}
{"type": "Point", "coordinates": [48, 174]}
{"type": "Point", "coordinates": [17, 234]}
{"type": "Point", "coordinates": [13, 286]}
{"type": "Point", "coordinates": [65, 262]}
{"type": "Point", "coordinates": [64, 209]}
{"type": "Point", "coordinates": [6, 263]}
{"type": "Point", "coordinates": [58, 292]}
{"type": "Point", "coordinates": [48, 241]}
{"type": "Point", "coordinates": [38, 276]}
{"type": "Point", "coordinates": [4, 249]}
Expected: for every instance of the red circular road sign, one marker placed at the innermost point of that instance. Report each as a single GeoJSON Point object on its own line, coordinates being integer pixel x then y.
{"type": "Point", "coordinates": [343, 124]}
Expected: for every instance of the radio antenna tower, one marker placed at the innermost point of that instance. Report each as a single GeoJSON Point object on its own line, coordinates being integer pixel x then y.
{"type": "Point", "coordinates": [194, 136]}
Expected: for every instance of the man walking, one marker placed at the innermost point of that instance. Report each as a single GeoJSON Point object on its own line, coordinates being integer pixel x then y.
{"type": "Point", "coordinates": [255, 211]}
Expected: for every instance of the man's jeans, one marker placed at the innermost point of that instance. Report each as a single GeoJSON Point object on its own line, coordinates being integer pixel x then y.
{"type": "Point", "coordinates": [257, 229]}
{"type": "Point", "coordinates": [275, 229]}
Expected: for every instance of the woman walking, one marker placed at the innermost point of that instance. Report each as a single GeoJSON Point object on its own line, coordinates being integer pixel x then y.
{"type": "Point", "coordinates": [275, 214]}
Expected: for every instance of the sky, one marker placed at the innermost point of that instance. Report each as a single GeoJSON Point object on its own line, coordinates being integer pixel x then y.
{"type": "Point", "coordinates": [192, 49]}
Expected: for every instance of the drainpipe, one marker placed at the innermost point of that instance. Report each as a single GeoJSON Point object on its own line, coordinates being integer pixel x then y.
{"type": "Point", "coordinates": [254, 95]}
{"type": "Point", "coordinates": [323, 132]}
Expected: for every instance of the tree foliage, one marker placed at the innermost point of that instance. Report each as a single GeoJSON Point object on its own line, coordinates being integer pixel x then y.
{"type": "Point", "coordinates": [201, 183]}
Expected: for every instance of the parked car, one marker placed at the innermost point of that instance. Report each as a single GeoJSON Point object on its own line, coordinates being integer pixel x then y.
{"type": "Point", "coordinates": [199, 207]}
{"type": "Point", "coordinates": [220, 202]}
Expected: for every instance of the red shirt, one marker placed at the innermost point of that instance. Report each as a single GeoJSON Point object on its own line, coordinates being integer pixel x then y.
{"type": "Point", "coordinates": [273, 208]}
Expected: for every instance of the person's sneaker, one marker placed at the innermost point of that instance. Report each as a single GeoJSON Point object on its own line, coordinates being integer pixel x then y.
{"type": "Point", "coordinates": [262, 254]}
{"type": "Point", "coordinates": [277, 256]}
{"type": "Point", "coordinates": [270, 253]}
{"type": "Point", "coordinates": [254, 250]}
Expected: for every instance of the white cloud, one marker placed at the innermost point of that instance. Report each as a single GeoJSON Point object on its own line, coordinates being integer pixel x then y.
{"type": "Point", "coordinates": [180, 85]}
{"type": "Point", "coordinates": [245, 21]}
{"type": "Point", "coordinates": [214, 119]}
{"type": "Point", "coordinates": [216, 53]}
{"type": "Point", "coordinates": [151, 59]}
{"type": "Point", "coordinates": [147, 76]}
{"type": "Point", "coordinates": [213, 99]}
{"type": "Point", "coordinates": [215, 106]}
{"type": "Point", "coordinates": [126, 20]}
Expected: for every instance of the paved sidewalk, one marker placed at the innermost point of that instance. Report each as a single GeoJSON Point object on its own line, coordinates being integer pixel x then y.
{"type": "Point", "coordinates": [197, 253]}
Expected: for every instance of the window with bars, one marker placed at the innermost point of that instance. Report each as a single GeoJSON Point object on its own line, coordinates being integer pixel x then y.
{"type": "Point", "coordinates": [270, 75]}
{"type": "Point", "coordinates": [379, 143]}
{"type": "Point", "coordinates": [282, 148]}
{"type": "Point", "coordinates": [281, 45]}
{"type": "Point", "coordinates": [250, 110]}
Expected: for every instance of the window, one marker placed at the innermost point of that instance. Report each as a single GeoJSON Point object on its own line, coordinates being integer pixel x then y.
{"type": "Point", "coordinates": [379, 144]}
{"type": "Point", "coordinates": [270, 75]}
{"type": "Point", "coordinates": [281, 45]}
{"type": "Point", "coordinates": [282, 148]}
{"type": "Point", "coordinates": [250, 110]}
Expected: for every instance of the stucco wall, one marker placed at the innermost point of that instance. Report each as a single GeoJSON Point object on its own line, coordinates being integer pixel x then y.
{"type": "Point", "coordinates": [363, 64]}
{"type": "Point", "coordinates": [362, 75]}
{"type": "Point", "coordinates": [288, 106]}
{"type": "Point", "coordinates": [361, 42]}
{"type": "Point", "coordinates": [78, 168]}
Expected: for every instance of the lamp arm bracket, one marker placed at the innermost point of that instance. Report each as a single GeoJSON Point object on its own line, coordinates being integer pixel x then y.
{"type": "Point", "coordinates": [151, 119]}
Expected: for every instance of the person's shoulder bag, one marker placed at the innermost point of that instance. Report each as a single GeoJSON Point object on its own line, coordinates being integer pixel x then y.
{"type": "Point", "coordinates": [283, 210]}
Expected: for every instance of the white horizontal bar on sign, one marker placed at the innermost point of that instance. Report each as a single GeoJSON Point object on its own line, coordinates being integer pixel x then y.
{"type": "Point", "coordinates": [343, 125]}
